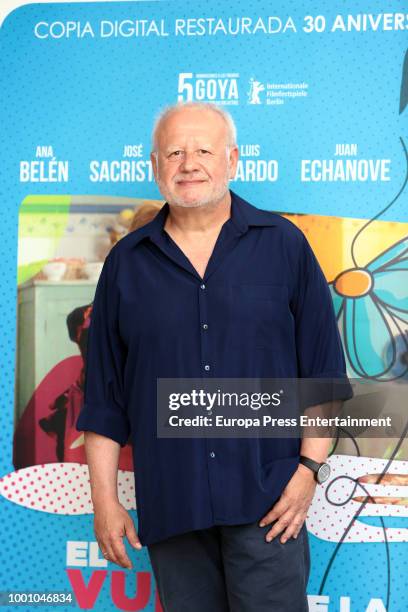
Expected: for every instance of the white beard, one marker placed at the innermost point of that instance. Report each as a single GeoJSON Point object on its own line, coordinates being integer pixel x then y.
{"type": "Point", "coordinates": [212, 198]}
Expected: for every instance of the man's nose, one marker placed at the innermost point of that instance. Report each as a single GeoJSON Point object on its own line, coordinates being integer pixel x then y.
{"type": "Point", "coordinates": [189, 162]}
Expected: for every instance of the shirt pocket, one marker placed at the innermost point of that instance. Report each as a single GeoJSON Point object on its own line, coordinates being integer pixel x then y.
{"type": "Point", "coordinates": [268, 313]}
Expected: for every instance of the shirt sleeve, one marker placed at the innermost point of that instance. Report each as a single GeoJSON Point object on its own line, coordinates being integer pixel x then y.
{"type": "Point", "coordinates": [319, 349]}
{"type": "Point", "coordinates": [103, 410]}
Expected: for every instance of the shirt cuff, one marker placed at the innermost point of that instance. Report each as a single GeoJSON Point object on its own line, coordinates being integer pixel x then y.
{"type": "Point", "coordinates": [325, 388]}
{"type": "Point", "coordinates": [105, 422]}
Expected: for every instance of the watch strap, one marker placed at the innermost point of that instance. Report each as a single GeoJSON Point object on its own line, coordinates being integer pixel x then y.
{"type": "Point", "coordinates": [310, 463]}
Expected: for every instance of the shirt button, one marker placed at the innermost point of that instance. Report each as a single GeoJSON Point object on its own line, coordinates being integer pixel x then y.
{"type": "Point", "coordinates": [206, 367]}
{"type": "Point", "coordinates": [205, 326]}
{"type": "Point", "coordinates": [212, 455]}
{"type": "Point", "coordinates": [202, 286]}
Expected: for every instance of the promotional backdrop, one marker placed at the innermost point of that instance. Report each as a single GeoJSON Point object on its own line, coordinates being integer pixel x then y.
{"type": "Point", "coordinates": [318, 92]}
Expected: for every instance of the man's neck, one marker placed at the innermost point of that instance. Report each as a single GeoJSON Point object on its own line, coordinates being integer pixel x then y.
{"type": "Point", "coordinates": [199, 220]}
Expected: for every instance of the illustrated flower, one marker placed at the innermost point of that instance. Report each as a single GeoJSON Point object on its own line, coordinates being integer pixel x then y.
{"type": "Point", "coordinates": [371, 306]}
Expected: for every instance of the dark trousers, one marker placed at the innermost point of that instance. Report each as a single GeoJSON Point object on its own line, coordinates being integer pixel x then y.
{"type": "Point", "coordinates": [231, 569]}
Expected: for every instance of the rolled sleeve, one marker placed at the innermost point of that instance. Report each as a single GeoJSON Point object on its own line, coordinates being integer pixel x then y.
{"type": "Point", "coordinates": [320, 352]}
{"type": "Point", "coordinates": [103, 410]}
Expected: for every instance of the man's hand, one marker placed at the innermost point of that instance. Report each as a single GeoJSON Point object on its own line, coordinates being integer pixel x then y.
{"type": "Point", "coordinates": [291, 509]}
{"type": "Point", "coordinates": [111, 523]}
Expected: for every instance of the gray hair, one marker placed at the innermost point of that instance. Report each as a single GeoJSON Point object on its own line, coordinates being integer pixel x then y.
{"type": "Point", "coordinates": [208, 106]}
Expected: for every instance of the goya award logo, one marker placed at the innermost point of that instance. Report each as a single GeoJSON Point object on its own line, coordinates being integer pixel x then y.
{"type": "Point", "coordinates": [223, 88]}
{"type": "Point", "coordinates": [216, 87]}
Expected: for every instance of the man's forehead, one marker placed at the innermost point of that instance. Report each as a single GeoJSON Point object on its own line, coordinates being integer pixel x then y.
{"type": "Point", "coordinates": [192, 125]}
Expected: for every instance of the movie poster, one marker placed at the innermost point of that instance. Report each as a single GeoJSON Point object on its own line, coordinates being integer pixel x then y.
{"type": "Point", "coordinates": [319, 94]}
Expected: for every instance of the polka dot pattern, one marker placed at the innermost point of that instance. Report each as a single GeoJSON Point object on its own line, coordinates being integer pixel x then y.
{"type": "Point", "coordinates": [339, 502]}
{"type": "Point", "coordinates": [60, 488]}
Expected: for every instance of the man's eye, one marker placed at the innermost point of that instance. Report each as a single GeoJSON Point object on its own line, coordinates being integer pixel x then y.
{"type": "Point", "coordinates": [175, 153]}
{"type": "Point", "coordinates": [203, 151]}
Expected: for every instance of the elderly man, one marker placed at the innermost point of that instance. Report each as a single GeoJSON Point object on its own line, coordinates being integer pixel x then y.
{"type": "Point", "coordinates": [212, 287]}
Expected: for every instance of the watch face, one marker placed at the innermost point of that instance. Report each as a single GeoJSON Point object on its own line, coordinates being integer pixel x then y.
{"type": "Point", "coordinates": [323, 472]}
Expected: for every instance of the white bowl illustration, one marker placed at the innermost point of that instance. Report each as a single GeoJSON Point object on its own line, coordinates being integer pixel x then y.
{"type": "Point", "coordinates": [92, 269]}
{"type": "Point", "coordinates": [55, 270]}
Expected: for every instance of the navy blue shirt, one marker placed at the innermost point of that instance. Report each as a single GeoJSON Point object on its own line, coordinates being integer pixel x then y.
{"type": "Point", "coordinates": [262, 309]}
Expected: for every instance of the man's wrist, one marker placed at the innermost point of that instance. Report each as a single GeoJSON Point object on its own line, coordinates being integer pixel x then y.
{"type": "Point", "coordinates": [104, 501]}
{"type": "Point", "coordinates": [320, 470]}
{"type": "Point", "coordinates": [306, 472]}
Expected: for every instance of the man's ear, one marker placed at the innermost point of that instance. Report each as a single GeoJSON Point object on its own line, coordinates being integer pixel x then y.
{"type": "Point", "coordinates": [233, 161]}
{"type": "Point", "coordinates": [153, 159]}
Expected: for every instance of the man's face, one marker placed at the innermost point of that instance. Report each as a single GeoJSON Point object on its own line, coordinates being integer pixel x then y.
{"type": "Point", "coordinates": [193, 164]}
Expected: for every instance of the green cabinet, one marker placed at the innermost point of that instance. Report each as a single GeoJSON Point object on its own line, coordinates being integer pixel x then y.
{"type": "Point", "coordinates": [42, 333]}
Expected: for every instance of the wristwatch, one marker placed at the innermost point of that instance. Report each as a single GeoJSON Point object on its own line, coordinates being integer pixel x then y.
{"type": "Point", "coordinates": [321, 470]}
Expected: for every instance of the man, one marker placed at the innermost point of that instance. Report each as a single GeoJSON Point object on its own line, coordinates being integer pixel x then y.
{"type": "Point", "coordinates": [212, 287]}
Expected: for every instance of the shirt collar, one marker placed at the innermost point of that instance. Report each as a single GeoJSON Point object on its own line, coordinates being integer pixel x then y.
{"type": "Point", "coordinates": [243, 216]}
